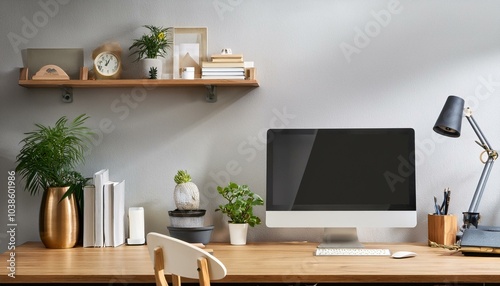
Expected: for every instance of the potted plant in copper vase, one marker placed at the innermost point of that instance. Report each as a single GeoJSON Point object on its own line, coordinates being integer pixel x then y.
{"type": "Point", "coordinates": [47, 163]}
{"type": "Point", "coordinates": [150, 47]}
{"type": "Point", "coordinates": [239, 209]}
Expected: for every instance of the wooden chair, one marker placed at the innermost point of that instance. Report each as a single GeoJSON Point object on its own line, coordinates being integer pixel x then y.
{"type": "Point", "coordinates": [181, 259]}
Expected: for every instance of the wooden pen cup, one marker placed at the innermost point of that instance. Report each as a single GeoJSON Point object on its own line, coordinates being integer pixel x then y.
{"type": "Point", "coordinates": [442, 229]}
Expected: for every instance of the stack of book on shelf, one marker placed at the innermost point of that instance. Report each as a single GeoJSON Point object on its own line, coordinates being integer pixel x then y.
{"type": "Point", "coordinates": [224, 66]}
{"type": "Point", "coordinates": [104, 212]}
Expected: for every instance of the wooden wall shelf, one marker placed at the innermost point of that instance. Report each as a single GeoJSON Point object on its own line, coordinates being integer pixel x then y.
{"type": "Point", "coordinates": [68, 85]}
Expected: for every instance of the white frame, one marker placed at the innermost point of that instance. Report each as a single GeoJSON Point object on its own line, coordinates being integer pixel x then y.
{"type": "Point", "coordinates": [189, 35]}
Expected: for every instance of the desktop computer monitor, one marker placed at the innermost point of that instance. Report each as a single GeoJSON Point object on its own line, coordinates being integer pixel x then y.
{"type": "Point", "coordinates": [341, 179]}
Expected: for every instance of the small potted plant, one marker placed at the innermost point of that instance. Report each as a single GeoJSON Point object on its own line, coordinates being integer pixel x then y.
{"type": "Point", "coordinates": [47, 161]}
{"type": "Point", "coordinates": [239, 209]}
{"type": "Point", "coordinates": [149, 47]}
{"type": "Point", "coordinates": [187, 219]}
{"type": "Point", "coordinates": [187, 202]}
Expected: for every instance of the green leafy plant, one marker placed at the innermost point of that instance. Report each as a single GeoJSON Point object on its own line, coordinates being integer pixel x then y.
{"type": "Point", "coordinates": [241, 201]}
{"type": "Point", "coordinates": [154, 44]}
{"type": "Point", "coordinates": [50, 154]}
{"type": "Point", "coordinates": [153, 73]}
{"type": "Point", "coordinates": [182, 176]}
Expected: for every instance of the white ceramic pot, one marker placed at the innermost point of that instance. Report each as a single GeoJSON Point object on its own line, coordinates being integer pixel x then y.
{"type": "Point", "coordinates": [238, 233]}
{"type": "Point", "coordinates": [147, 64]}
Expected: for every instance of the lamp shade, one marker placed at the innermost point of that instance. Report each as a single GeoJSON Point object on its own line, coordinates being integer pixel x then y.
{"type": "Point", "coordinates": [449, 122]}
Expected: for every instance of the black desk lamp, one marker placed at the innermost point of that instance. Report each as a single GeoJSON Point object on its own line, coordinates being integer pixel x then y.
{"type": "Point", "coordinates": [449, 124]}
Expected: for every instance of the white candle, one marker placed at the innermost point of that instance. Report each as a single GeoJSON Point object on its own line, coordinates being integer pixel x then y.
{"type": "Point", "coordinates": [136, 225]}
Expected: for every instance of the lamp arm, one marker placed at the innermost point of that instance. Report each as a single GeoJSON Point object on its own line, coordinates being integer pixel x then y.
{"type": "Point", "coordinates": [472, 216]}
{"type": "Point", "coordinates": [481, 185]}
{"type": "Point", "coordinates": [484, 142]}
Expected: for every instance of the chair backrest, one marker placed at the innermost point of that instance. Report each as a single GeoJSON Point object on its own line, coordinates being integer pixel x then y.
{"type": "Point", "coordinates": [181, 258]}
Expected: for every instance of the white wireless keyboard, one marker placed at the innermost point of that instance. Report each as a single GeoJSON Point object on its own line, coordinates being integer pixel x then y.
{"type": "Point", "coordinates": [352, 251]}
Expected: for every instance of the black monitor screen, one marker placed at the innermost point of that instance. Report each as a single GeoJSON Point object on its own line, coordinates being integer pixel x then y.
{"type": "Point", "coordinates": [341, 169]}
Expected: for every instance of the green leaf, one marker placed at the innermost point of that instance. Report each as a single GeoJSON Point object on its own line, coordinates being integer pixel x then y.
{"type": "Point", "coordinates": [182, 176]}
{"type": "Point", "coordinates": [154, 44]}
{"type": "Point", "coordinates": [240, 202]}
{"type": "Point", "coordinates": [51, 153]}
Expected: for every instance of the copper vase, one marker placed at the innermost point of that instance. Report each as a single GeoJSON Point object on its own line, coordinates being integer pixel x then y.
{"type": "Point", "coordinates": [58, 225]}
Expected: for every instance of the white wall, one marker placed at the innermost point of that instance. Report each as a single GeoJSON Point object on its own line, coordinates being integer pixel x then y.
{"type": "Point", "coordinates": [416, 54]}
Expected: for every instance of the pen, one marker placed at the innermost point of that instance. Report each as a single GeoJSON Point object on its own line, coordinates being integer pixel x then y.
{"type": "Point", "coordinates": [442, 208]}
{"type": "Point", "coordinates": [447, 203]}
{"type": "Point", "coordinates": [436, 206]}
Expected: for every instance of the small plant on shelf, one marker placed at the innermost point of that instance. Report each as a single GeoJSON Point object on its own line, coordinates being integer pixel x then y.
{"type": "Point", "coordinates": [154, 44]}
{"type": "Point", "coordinates": [153, 73]}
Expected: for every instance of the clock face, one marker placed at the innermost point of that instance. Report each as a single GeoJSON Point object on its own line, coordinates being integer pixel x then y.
{"type": "Point", "coordinates": [107, 64]}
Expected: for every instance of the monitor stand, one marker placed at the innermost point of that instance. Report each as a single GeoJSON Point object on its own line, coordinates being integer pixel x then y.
{"type": "Point", "coordinates": [340, 238]}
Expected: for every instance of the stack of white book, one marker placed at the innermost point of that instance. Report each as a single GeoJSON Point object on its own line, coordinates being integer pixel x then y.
{"type": "Point", "coordinates": [104, 212]}
{"type": "Point", "coordinates": [224, 66]}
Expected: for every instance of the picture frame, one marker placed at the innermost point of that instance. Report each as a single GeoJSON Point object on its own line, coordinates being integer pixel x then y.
{"type": "Point", "coordinates": [190, 49]}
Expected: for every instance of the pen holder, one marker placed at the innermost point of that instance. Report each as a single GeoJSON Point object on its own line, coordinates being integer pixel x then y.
{"type": "Point", "coordinates": [442, 229]}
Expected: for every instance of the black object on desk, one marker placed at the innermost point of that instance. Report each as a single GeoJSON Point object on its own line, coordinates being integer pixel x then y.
{"type": "Point", "coordinates": [484, 240]}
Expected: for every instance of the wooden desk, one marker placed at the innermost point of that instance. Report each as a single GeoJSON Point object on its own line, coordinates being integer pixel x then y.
{"type": "Point", "coordinates": [260, 262]}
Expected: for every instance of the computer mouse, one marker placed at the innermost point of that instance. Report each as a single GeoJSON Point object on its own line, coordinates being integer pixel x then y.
{"type": "Point", "coordinates": [403, 254]}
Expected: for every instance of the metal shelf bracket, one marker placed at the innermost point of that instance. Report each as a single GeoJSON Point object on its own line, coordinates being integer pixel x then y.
{"type": "Point", "coordinates": [67, 94]}
{"type": "Point", "coordinates": [211, 93]}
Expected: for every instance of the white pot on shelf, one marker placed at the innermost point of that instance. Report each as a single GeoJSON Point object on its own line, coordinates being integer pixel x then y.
{"type": "Point", "coordinates": [238, 233]}
{"type": "Point", "coordinates": [147, 64]}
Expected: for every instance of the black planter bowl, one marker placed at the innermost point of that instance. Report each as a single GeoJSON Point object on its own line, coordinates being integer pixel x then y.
{"type": "Point", "coordinates": [192, 234]}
